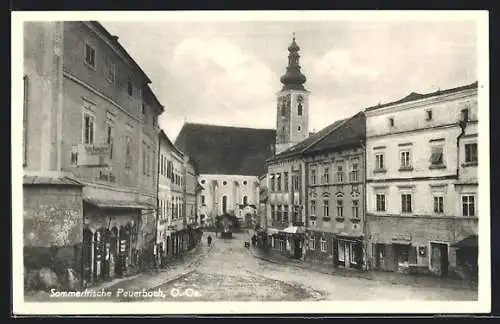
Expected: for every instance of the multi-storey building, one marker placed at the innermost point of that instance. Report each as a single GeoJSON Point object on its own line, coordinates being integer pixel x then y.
{"type": "Point", "coordinates": [89, 150]}
{"type": "Point", "coordinates": [422, 182]}
{"type": "Point", "coordinates": [334, 164]}
{"type": "Point", "coordinates": [191, 190]}
{"type": "Point", "coordinates": [171, 222]}
{"type": "Point", "coordinates": [229, 161]}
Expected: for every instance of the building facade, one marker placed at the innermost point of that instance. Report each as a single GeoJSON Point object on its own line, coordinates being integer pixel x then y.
{"type": "Point", "coordinates": [335, 189]}
{"type": "Point", "coordinates": [422, 182]}
{"type": "Point", "coordinates": [78, 77]}
{"type": "Point", "coordinates": [229, 161]}
{"type": "Point", "coordinates": [172, 222]}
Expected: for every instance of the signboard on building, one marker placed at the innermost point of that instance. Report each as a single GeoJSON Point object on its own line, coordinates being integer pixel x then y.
{"type": "Point", "coordinates": [401, 237]}
{"type": "Point", "coordinates": [91, 155]}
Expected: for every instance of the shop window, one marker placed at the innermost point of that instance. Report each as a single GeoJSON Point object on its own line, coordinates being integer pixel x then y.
{"type": "Point", "coordinates": [323, 244]}
{"type": "Point", "coordinates": [312, 243]}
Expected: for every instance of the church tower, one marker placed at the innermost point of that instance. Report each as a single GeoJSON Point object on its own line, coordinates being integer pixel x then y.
{"type": "Point", "coordinates": [292, 118]}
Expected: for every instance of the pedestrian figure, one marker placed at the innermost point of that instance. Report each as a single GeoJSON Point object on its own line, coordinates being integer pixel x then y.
{"type": "Point", "coordinates": [209, 240]}
{"type": "Point", "coordinates": [254, 240]}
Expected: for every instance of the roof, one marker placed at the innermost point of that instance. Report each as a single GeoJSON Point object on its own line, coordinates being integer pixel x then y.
{"type": "Point", "coordinates": [350, 133]}
{"type": "Point", "coordinates": [300, 147]}
{"type": "Point", "coordinates": [105, 203]}
{"type": "Point", "coordinates": [227, 150]}
{"type": "Point", "coordinates": [48, 180]}
{"type": "Point", "coordinates": [164, 137]}
{"type": "Point", "coordinates": [114, 41]}
{"type": "Point", "coordinates": [417, 96]}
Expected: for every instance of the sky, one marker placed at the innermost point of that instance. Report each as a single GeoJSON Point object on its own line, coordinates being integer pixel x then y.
{"type": "Point", "coordinates": [227, 72]}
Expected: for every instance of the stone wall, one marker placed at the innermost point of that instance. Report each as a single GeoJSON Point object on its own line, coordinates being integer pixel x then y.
{"type": "Point", "coordinates": [52, 236]}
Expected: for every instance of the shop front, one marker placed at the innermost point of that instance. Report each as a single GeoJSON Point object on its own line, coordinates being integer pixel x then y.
{"type": "Point", "coordinates": [110, 235]}
{"type": "Point", "coordinates": [348, 252]}
{"type": "Point", "coordinates": [295, 239]}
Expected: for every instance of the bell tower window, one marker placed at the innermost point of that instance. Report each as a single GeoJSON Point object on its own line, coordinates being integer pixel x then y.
{"type": "Point", "coordinates": [299, 109]}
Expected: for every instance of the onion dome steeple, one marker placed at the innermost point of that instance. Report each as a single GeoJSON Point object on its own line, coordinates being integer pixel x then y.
{"type": "Point", "coordinates": [293, 79]}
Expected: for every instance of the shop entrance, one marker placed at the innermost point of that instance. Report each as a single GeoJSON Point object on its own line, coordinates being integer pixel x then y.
{"type": "Point", "coordinates": [439, 258]}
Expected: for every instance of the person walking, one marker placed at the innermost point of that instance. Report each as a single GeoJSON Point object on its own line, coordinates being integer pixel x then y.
{"type": "Point", "coordinates": [209, 240]}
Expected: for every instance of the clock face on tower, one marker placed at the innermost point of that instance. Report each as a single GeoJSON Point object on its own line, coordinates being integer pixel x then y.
{"type": "Point", "coordinates": [300, 99]}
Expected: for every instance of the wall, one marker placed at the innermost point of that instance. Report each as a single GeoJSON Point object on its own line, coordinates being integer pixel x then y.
{"type": "Point", "coordinates": [43, 69]}
{"type": "Point", "coordinates": [53, 228]}
{"type": "Point", "coordinates": [76, 33]}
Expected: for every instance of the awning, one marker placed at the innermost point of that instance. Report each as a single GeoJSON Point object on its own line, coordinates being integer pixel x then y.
{"type": "Point", "coordinates": [117, 204]}
{"type": "Point", "coordinates": [271, 231]}
{"type": "Point", "coordinates": [294, 230]}
{"type": "Point", "coordinates": [468, 242]}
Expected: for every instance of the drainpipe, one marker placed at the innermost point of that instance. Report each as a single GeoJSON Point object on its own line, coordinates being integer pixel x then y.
{"type": "Point", "coordinates": [365, 208]}
{"type": "Point", "coordinates": [462, 125]}
{"type": "Point", "coordinates": [157, 219]}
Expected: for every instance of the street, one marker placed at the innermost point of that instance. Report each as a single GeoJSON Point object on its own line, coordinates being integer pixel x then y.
{"type": "Point", "coordinates": [230, 272]}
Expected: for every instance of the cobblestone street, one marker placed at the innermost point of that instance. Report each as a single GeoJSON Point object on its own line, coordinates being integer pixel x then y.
{"type": "Point", "coordinates": [227, 271]}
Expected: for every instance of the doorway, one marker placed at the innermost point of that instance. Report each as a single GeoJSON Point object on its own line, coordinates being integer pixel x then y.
{"type": "Point", "coordinates": [439, 258]}
{"type": "Point", "coordinates": [297, 248]}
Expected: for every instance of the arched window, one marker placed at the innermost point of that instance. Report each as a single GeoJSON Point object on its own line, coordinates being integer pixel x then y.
{"type": "Point", "coordinates": [245, 200]}
{"type": "Point", "coordinates": [224, 204]}
{"type": "Point", "coordinates": [299, 109]}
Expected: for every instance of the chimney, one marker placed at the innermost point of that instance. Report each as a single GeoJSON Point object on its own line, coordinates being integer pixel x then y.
{"type": "Point", "coordinates": [115, 38]}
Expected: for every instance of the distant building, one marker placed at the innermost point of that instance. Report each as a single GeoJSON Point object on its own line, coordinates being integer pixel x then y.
{"type": "Point", "coordinates": [422, 199]}
{"type": "Point", "coordinates": [229, 160]}
{"type": "Point", "coordinates": [90, 150]}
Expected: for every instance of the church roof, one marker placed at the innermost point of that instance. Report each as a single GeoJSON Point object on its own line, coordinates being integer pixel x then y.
{"type": "Point", "coordinates": [341, 133]}
{"type": "Point", "coordinates": [417, 96]}
{"type": "Point", "coordinates": [227, 150]}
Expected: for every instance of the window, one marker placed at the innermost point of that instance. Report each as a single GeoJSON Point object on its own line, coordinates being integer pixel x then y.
{"type": "Point", "coordinates": [355, 208]}
{"type": "Point", "coordinates": [285, 181]}
{"type": "Point", "coordinates": [391, 122]}
{"type": "Point", "coordinates": [436, 155]}
{"type": "Point", "coordinates": [464, 115]}
{"type": "Point", "coordinates": [143, 109]}
{"type": "Point", "coordinates": [130, 89]}
{"type": "Point", "coordinates": [155, 121]}
{"type": "Point", "coordinates": [429, 115]}
{"type": "Point", "coordinates": [406, 203]}
{"type": "Point", "coordinates": [405, 159]}
{"type": "Point", "coordinates": [313, 207]}
{"type": "Point", "coordinates": [273, 212]}
{"type": "Point", "coordinates": [295, 182]}
{"type": "Point", "coordinates": [380, 202]}
{"type": "Point", "coordinates": [278, 181]}
{"type": "Point", "coordinates": [109, 73]}
{"type": "Point", "coordinates": [299, 109]}
{"type": "Point", "coordinates": [203, 200]}
{"type": "Point", "coordinates": [468, 205]}
{"type": "Point", "coordinates": [312, 243]}
{"type": "Point", "coordinates": [245, 200]}
{"type": "Point", "coordinates": [471, 153]}
{"type": "Point", "coordinates": [273, 183]}
{"type": "Point", "coordinates": [298, 128]}
{"type": "Point", "coordinates": [90, 55]}
{"type": "Point", "coordinates": [25, 117]}
{"type": "Point", "coordinates": [326, 172]}
{"type": "Point", "coordinates": [340, 208]}
{"type": "Point", "coordinates": [278, 213]}
{"type": "Point", "coordinates": [313, 176]}
{"type": "Point", "coordinates": [285, 213]}
{"type": "Point", "coordinates": [354, 175]}
{"type": "Point", "coordinates": [88, 128]}
{"type": "Point", "coordinates": [438, 203]}
{"type": "Point", "coordinates": [341, 251]}
{"type": "Point", "coordinates": [340, 173]}
{"type": "Point", "coordinates": [379, 161]}
{"type": "Point", "coordinates": [326, 208]}
{"type": "Point", "coordinates": [353, 256]}
{"type": "Point", "coordinates": [224, 183]}
{"type": "Point", "coordinates": [323, 245]}
{"type": "Point", "coordinates": [202, 181]}
{"type": "Point", "coordinates": [245, 183]}
{"type": "Point", "coordinates": [283, 108]}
